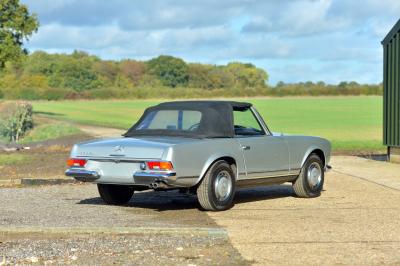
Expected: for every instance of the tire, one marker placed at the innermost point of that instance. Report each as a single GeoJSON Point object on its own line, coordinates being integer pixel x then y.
{"type": "Point", "coordinates": [115, 194]}
{"type": "Point", "coordinates": [310, 181]}
{"type": "Point", "coordinates": [220, 175]}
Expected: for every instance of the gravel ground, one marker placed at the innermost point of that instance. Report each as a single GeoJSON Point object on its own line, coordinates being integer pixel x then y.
{"type": "Point", "coordinates": [78, 207]}
{"type": "Point", "coordinates": [45, 159]}
{"type": "Point", "coordinates": [119, 249]}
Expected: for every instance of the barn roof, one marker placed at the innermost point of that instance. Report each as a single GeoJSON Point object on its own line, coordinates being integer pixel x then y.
{"type": "Point", "coordinates": [392, 32]}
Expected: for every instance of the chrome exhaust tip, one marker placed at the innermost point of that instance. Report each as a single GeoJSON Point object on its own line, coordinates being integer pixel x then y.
{"type": "Point", "coordinates": [154, 185]}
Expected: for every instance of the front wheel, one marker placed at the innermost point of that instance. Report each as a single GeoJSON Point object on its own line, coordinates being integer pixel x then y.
{"type": "Point", "coordinates": [115, 194]}
{"type": "Point", "coordinates": [310, 182]}
{"type": "Point", "coordinates": [217, 189]}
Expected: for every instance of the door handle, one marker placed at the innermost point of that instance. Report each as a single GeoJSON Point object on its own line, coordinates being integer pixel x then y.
{"type": "Point", "coordinates": [245, 148]}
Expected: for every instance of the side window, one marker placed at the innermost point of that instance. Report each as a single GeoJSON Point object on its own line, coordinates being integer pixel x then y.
{"type": "Point", "coordinates": [246, 124]}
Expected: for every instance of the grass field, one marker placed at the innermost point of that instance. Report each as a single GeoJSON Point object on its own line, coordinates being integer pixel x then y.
{"type": "Point", "coordinates": [351, 123]}
{"type": "Point", "coordinates": [49, 131]}
{"type": "Point", "coordinates": [12, 159]}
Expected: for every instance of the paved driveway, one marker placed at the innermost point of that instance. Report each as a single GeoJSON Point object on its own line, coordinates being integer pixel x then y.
{"type": "Point", "coordinates": [356, 221]}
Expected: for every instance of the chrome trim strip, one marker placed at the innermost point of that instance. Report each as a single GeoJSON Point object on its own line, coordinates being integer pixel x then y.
{"type": "Point", "coordinates": [188, 177]}
{"type": "Point", "coordinates": [154, 175]}
{"type": "Point", "coordinates": [82, 174]}
{"type": "Point", "coordinates": [294, 171]}
{"type": "Point", "coordinates": [146, 178]}
{"type": "Point", "coordinates": [261, 121]}
{"type": "Point", "coordinates": [266, 181]}
{"type": "Point", "coordinates": [258, 175]}
{"type": "Point", "coordinates": [119, 159]}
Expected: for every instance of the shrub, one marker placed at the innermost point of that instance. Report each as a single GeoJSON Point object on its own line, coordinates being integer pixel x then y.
{"type": "Point", "coordinates": [15, 120]}
{"type": "Point", "coordinates": [55, 94]}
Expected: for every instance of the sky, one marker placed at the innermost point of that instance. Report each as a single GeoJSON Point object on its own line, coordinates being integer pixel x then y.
{"type": "Point", "coordinates": [293, 40]}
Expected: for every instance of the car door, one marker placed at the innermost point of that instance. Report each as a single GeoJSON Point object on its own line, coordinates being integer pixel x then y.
{"type": "Point", "coordinates": [264, 155]}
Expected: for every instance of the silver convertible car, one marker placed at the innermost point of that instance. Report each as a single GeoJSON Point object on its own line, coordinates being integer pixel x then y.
{"type": "Point", "coordinates": [210, 148]}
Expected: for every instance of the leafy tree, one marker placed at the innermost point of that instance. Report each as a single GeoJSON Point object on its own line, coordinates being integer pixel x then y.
{"type": "Point", "coordinates": [199, 76]}
{"type": "Point", "coordinates": [16, 26]}
{"type": "Point", "coordinates": [75, 71]}
{"type": "Point", "coordinates": [247, 75]}
{"type": "Point", "coordinates": [107, 69]}
{"type": "Point", "coordinates": [133, 70]}
{"type": "Point", "coordinates": [170, 70]}
{"type": "Point", "coordinates": [220, 78]}
{"type": "Point", "coordinates": [41, 63]}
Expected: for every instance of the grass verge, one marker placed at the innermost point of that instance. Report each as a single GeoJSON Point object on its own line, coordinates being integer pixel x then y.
{"type": "Point", "coordinates": [12, 159]}
{"type": "Point", "coordinates": [49, 131]}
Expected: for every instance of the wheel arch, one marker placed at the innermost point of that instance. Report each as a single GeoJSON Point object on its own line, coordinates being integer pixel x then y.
{"type": "Point", "coordinates": [317, 151]}
{"type": "Point", "coordinates": [212, 160]}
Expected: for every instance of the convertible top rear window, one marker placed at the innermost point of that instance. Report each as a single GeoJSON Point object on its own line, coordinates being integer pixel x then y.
{"type": "Point", "coordinates": [197, 119]}
{"type": "Point", "coordinates": [171, 120]}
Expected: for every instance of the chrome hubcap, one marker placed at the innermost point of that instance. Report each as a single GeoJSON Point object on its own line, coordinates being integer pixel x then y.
{"type": "Point", "coordinates": [314, 175]}
{"type": "Point", "coordinates": [223, 185]}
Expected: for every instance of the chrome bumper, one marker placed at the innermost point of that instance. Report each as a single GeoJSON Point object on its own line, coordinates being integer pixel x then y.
{"type": "Point", "coordinates": [145, 178]}
{"type": "Point", "coordinates": [139, 178]}
{"type": "Point", "coordinates": [82, 174]}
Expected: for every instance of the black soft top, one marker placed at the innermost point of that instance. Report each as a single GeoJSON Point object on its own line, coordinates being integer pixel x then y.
{"type": "Point", "coordinates": [216, 120]}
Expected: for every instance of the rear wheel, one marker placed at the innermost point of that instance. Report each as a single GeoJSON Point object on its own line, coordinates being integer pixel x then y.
{"type": "Point", "coordinates": [310, 182]}
{"type": "Point", "coordinates": [115, 194]}
{"type": "Point", "coordinates": [217, 189]}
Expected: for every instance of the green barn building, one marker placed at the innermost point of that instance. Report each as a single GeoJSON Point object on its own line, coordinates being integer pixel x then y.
{"type": "Point", "coordinates": [391, 92]}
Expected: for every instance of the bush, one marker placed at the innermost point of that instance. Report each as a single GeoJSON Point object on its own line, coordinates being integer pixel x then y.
{"type": "Point", "coordinates": [55, 94]}
{"type": "Point", "coordinates": [15, 120]}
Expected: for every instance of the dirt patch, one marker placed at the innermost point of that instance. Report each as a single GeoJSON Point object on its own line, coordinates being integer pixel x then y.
{"type": "Point", "coordinates": [46, 159]}
{"type": "Point", "coordinates": [101, 132]}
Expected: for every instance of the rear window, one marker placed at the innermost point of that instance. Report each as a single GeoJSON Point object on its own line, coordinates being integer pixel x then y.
{"type": "Point", "coordinates": [171, 120]}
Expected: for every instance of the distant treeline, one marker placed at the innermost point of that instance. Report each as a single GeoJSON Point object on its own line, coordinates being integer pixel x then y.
{"type": "Point", "coordinates": [81, 76]}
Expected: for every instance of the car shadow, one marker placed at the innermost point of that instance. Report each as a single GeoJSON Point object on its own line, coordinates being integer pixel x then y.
{"type": "Point", "coordinates": [173, 200]}
{"type": "Point", "coordinates": [245, 195]}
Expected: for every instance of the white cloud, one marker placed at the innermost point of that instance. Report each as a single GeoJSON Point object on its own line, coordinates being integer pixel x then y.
{"type": "Point", "coordinates": [290, 38]}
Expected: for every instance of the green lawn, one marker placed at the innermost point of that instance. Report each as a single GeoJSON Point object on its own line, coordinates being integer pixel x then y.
{"type": "Point", "coordinates": [49, 131]}
{"type": "Point", "coordinates": [12, 159]}
{"type": "Point", "coordinates": [351, 123]}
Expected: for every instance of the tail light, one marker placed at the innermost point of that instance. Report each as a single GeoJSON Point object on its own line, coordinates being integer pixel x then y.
{"type": "Point", "coordinates": [160, 166]}
{"type": "Point", "coordinates": [76, 162]}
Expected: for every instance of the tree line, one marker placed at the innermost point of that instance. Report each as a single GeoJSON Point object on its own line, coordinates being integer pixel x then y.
{"type": "Point", "coordinates": [79, 75]}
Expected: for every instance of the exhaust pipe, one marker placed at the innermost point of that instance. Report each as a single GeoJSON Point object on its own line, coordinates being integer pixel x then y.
{"type": "Point", "coordinates": [154, 185]}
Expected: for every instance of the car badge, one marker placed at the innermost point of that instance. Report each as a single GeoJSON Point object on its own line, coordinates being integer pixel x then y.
{"type": "Point", "coordinates": [119, 149]}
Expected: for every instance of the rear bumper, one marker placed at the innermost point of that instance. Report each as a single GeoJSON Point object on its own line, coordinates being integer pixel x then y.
{"type": "Point", "coordinates": [145, 178]}
{"type": "Point", "coordinates": [82, 174]}
{"type": "Point", "coordinates": [138, 178]}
